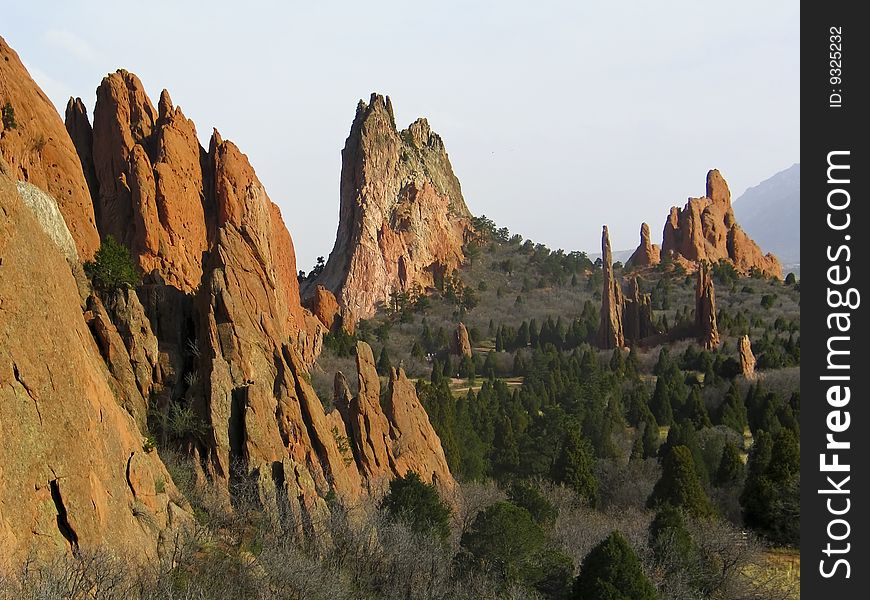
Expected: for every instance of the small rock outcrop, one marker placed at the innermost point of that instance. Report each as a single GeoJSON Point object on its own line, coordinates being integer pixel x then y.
{"type": "Point", "coordinates": [38, 150]}
{"type": "Point", "coordinates": [706, 230]}
{"type": "Point", "coordinates": [325, 307]}
{"type": "Point", "coordinates": [75, 471]}
{"type": "Point", "coordinates": [747, 358]}
{"type": "Point", "coordinates": [705, 309]}
{"type": "Point", "coordinates": [461, 345]}
{"type": "Point", "coordinates": [647, 254]}
{"type": "Point", "coordinates": [402, 221]}
{"type": "Point", "coordinates": [389, 442]}
{"type": "Point", "coordinates": [610, 331]}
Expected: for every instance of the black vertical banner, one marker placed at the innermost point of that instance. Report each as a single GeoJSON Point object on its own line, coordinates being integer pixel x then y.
{"type": "Point", "coordinates": [835, 269]}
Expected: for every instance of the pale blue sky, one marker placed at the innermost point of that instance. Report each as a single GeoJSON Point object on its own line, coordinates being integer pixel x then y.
{"type": "Point", "coordinates": [558, 116]}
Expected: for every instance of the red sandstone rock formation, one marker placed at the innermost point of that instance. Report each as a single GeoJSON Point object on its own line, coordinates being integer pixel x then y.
{"type": "Point", "coordinates": [325, 307]}
{"type": "Point", "coordinates": [74, 471]}
{"type": "Point", "coordinates": [647, 253]}
{"type": "Point", "coordinates": [461, 342]}
{"type": "Point", "coordinates": [389, 443]}
{"type": "Point", "coordinates": [266, 420]}
{"type": "Point", "coordinates": [747, 358]}
{"type": "Point", "coordinates": [403, 220]}
{"type": "Point", "coordinates": [705, 309]}
{"type": "Point", "coordinates": [705, 230]}
{"type": "Point", "coordinates": [153, 191]}
{"type": "Point", "coordinates": [610, 331]}
{"type": "Point", "coordinates": [38, 150]}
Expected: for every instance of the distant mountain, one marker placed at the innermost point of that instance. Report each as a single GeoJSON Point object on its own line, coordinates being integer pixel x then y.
{"type": "Point", "coordinates": [770, 214]}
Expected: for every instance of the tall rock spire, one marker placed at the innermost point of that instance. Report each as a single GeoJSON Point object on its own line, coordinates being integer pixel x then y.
{"type": "Point", "coordinates": [705, 309]}
{"type": "Point", "coordinates": [610, 331]}
{"type": "Point", "coordinates": [403, 219]}
{"type": "Point", "coordinates": [647, 254]}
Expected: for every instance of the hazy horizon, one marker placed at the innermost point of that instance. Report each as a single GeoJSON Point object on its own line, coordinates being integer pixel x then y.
{"type": "Point", "coordinates": [557, 119]}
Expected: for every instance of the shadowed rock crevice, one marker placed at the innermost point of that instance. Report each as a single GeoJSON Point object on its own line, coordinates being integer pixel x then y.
{"type": "Point", "coordinates": [63, 524]}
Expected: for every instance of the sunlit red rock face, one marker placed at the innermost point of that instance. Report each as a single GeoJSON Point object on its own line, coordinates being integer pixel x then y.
{"type": "Point", "coordinates": [152, 187]}
{"type": "Point", "coordinates": [403, 220]}
{"type": "Point", "coordinates": [647, 254]}
{"type": "Point", "coordinates": [38, 150]}
{"type": "Point", "coordinates": [706, 230]}
{"type": "Point", "coordinates": [389, 442]}
{"type": "Point", "coordinates": [162, 195]}
{"type": "Point", "coordinates": [74, 469]}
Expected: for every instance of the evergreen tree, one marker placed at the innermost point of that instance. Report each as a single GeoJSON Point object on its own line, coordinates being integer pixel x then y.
{"type": "Point", "coordinates": [771, 497]}
{"type": "Point", "coordinates": [612, 571]}
{"type": "Point", "coordinates": [507, 539]}
{"type": "Point", "coordinates": [528, 497]}
{"type": "Point", "coordinates": [695, 411]}
{"type": "Point", "coordinates": [670, 541]}
{"type": "Point", "coordinates": [730, 470]}
{"type": "Point", "coordinates": [418, 505]}
{"type": "Point", "coordinates": [733, 410]}
{"type": "Point", "coordinates": [112, 268]}
{"type": "Point", "coordinates": [617, 362]}
{"type": "Point", "coordinates": [680, 486]}
{"type": "Point", "coordinates": [384, 365]}
{"type": "Point", "coordinates": [574, 467]}
{"type": "Point", "coordinates": [660, 403]}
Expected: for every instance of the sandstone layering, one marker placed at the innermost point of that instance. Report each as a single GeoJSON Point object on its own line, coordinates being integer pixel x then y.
{"type": "Point", "coordinates": [403, 220]}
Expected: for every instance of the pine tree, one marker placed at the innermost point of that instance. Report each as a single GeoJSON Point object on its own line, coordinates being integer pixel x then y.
{"type": "Point", "coordinates": [733, 410]}
{"type": "Point", "coordinates": [695, 411]}
{"type": "Point", "coordinates": [680, 486]}
{"type": "Point", "coordinates": [660, 403]}
{"type": "Point", "coordinates": [612, 571]}
{"type": "Point", "coordinates": [574, 467]}
{"type": "Point", "coordinates": [418, 504]}
{"type": "Point", "coordinates": [384, 365]}
{"type": "Point", "coordinates": [730, 469]}
{"type": "Point", "coordinates": [670, 541]}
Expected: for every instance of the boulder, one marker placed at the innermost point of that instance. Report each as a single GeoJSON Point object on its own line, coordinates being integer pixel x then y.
{"type": "Point", "coordinates": [325, 307]}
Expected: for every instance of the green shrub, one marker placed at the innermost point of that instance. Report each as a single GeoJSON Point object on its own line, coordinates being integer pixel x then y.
{"type": "Point", "coordinates": [112, 268]}
{"type": "Point", "coordinates": [9, 116]}
{"type": "Point", "coordinates": [418, 505]}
